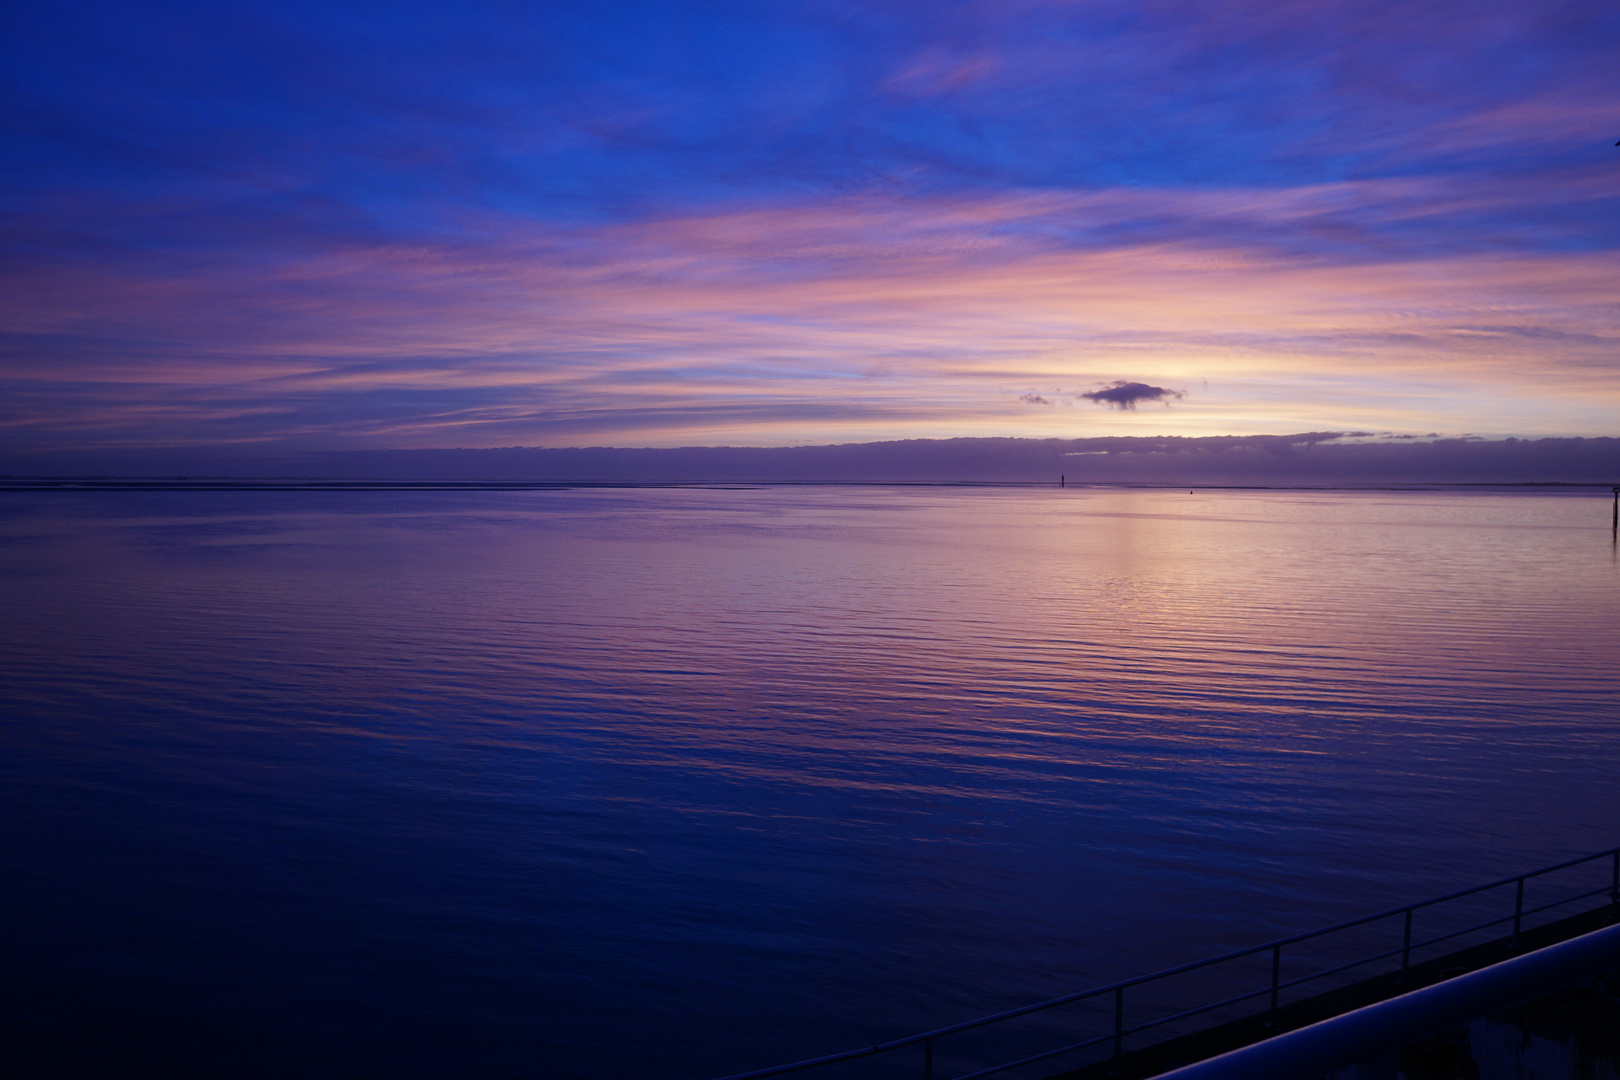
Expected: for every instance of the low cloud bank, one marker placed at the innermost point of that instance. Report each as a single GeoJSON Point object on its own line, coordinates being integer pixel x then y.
{"type": "Point", "coordinates": [1305, 458]}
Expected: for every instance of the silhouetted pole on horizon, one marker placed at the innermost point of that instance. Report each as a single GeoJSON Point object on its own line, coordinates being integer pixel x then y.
{"type": "Point", "coordinates": [1614, 520]}
{"type": "Point", "coordinates": [1063, 481]}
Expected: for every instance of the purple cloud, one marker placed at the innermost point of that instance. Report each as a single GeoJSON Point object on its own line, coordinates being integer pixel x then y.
{"type": "Point", "coordinates": [1125, 395]}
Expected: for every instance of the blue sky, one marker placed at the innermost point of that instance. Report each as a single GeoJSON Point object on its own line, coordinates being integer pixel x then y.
{"type": "Point", "coordinates": [348, 225]}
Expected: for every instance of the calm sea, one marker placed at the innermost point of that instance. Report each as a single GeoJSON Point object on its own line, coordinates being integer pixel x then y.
{"type": "Point", "coordinates": [677, 783]}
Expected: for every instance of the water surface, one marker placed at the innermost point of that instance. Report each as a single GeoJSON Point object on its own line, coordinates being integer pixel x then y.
{"type": "Point", "coordinates": [665, 782]}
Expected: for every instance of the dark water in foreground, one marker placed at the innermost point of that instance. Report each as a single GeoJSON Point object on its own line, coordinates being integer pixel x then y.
{"type": "Point", "coordinates": [676, 783]}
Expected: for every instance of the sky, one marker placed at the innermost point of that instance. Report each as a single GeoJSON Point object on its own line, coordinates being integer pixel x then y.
{"type": "Point", "coordinates": [353, 226]}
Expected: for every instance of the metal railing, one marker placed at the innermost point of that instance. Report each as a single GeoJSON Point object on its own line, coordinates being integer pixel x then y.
{"type": "Point", "coordinates": [1272, 992]}
{"type": "Point", "coordinates": [1378, 1031]}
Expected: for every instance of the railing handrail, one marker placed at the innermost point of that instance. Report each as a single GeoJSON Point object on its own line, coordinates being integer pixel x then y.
{"type": "Point", "coordinates": [1368, 1033]}
{"type": "Point", "coordinates": [1181, 969]}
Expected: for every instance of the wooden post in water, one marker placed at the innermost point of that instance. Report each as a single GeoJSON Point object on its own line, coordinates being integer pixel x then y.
{"type": "Point", "coordinates": [1063, 482]}
{"type": "Point", "coordinates": [1614, 521]}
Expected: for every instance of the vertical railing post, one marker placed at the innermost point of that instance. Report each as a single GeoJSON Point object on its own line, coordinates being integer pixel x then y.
{"type": "Point", "coordinates": [1276, 976]}
{"type": "Point", "coordinates": [1518, 913]}
{"type": "Point", "coordinates": [1406, 942]}
{"type": "Point", "coordinates": [928, 1059]}
{"type": "Point", "coordinates": [1119, 1021]}
{"type": "Point", "coordinates": [1614, 886]}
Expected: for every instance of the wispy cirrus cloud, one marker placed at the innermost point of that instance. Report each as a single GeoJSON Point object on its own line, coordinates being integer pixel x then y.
{"type": "Point", "coordinates": [850, 315]}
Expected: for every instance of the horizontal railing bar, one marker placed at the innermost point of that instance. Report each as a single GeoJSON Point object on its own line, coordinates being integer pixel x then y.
{"type": "Point", "coordinates": [1463, 933]}
{"type": "Point", "coordinates": [1420, 905]}
{"type": "Point", "coordinates": [1149, 1026]}
{"type": "Point", "coordinates": [1364, 920]}
{"type": "Point", "coordinates": [1339, 970]}
{"type": "Point", "coordinates": [1568, 900]}
{"type": "Point", "coordinates": [1098, 991]}
{"type": "Point", "coordinates": [1509, 918]}
{"type": "Point", "coordinates": [1040, 1057]}
{"type": "Point", "coordinates": [810, 1063]}
{"type": "Point", "coordinates": [1124, 1033]}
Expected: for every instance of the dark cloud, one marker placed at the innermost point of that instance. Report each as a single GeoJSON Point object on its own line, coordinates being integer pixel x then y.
{"type": "Point", "coordinates": [1125, 395]}
{"type": "Point", "coordinates": [1033, 399]}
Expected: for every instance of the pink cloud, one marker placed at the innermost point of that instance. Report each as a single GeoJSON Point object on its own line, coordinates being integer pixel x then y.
{"type": "Point", "coordinates": [933, 315]}
{"type": "Point", "coordinates": [938, 70]}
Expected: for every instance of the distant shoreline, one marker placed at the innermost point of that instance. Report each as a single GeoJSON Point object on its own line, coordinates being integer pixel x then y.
{"type": "Point", "coordinates": [15, 484]}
